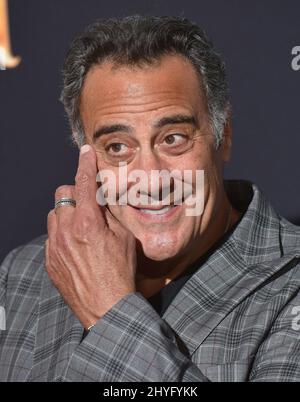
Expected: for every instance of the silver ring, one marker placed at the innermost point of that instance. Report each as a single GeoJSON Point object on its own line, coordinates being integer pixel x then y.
{"type": "Point", "coordinates": [65, 201]}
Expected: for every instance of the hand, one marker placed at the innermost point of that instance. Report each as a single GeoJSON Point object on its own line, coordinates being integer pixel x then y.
{"type": "Point", "coordinates": [90, 256]}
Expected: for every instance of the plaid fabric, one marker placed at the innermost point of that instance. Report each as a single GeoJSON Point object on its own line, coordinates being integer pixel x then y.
{"type": "Point", "coordinates": [234, 320]}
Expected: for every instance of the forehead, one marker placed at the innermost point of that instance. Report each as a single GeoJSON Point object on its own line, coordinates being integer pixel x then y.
{"type": "Point", "coordinates": [171, 82]}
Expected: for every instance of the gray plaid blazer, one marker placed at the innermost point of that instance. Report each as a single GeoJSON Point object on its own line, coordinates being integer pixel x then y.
{"type": "Point", "coordinates": [235, 319]}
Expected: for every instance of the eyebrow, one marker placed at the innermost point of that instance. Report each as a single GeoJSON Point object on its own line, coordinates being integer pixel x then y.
{"type": "Point", "coordinates": [174, 119]}
{"type": "Point", "coordinates": [111, 129]}
{"type": "Point", "coordinates": [177, 119]}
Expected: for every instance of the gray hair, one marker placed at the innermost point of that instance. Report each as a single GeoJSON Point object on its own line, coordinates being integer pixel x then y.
{"type": "Point", "coordinates": [136, 40]}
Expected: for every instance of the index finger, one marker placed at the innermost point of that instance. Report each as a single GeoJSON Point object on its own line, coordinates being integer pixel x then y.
{"type": "Point", "coordinates": [85, 180]}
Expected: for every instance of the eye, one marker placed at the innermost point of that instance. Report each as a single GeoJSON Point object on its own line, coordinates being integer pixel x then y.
{"type": "Point", "coordinates": [116, 148]}
{"type": "Point", "coordinates": [175, 139]}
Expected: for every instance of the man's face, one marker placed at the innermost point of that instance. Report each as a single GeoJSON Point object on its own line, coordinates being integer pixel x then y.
{"type": "Point", "coordinates": [155, 117]}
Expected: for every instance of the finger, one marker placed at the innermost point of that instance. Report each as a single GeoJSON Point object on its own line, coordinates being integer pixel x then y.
{"type": "Point", "coordinates": [51, 226]}
{"type": "Point", "coordinates": [64, 213]}
{"type": "Point", "coordinates": [86, 186]}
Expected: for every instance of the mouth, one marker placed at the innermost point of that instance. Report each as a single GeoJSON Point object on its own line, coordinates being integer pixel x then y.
{"type": "Point", "coordinates": [156, 213]}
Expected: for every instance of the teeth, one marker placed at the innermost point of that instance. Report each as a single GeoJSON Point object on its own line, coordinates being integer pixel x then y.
{"type": "Point", "coordinates": [156, 211]}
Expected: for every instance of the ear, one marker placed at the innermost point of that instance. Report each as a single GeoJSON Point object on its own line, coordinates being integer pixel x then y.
{"type": "Point", "coordinates": [225, 147]}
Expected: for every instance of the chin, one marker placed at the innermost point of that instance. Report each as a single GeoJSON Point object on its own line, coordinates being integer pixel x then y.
{"type": "Point", "coordinates": [159, 248]}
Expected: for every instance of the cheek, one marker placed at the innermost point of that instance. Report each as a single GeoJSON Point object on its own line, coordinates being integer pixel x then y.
{"type": "Point", "coordinates": [102, 164]}
{"type": "Point", "coordinates": [201, 157]}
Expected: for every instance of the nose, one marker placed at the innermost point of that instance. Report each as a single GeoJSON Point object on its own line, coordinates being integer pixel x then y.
{"type": "Point", "coordinates": [148, 165]}
{"type": "Point", "coordinates": [148, 160]}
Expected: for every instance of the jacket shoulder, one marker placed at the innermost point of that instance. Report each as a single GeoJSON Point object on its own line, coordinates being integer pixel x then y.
{"type": "Point", "coordinates": [26, 258]}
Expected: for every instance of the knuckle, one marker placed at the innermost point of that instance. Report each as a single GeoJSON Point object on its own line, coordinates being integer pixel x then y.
{"type": "Point", "coordinates": [82, 187]}
{"type": "Point", "coordinates": [86, 224]}
{"type": "Point", "coordinates": [63, 191]}
{"type": "Point", "coordinates": [51, 213]}
{"type": "Point", "coordinates": [83, 228]}
{"type": "Point", "coordinates": [50, 216]}
{"type": "Point", "coordinates": [81, 178]}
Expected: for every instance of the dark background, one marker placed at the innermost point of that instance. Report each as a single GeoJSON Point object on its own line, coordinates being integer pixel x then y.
{"type": "Point", "coordinates": [255, 39]}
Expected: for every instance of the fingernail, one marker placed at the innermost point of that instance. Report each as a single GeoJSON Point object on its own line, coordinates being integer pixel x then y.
{"type": "Point", "coordinates": [84, 149]}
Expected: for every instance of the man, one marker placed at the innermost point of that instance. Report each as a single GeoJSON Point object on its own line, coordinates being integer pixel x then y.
{"type": "Point", "coordinates": [148, 292]}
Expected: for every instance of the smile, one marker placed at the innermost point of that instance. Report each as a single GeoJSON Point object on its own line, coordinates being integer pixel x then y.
{"type": "Point", "coordinates": [160, 213]}
{"type": "Point", "coordinates": [156, 211]}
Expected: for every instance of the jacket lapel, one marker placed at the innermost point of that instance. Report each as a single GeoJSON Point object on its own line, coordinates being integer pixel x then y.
{"type": "Point", "coordinates": [246, 259]}
{"type": "Point", "coordinates": [58, 334]}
